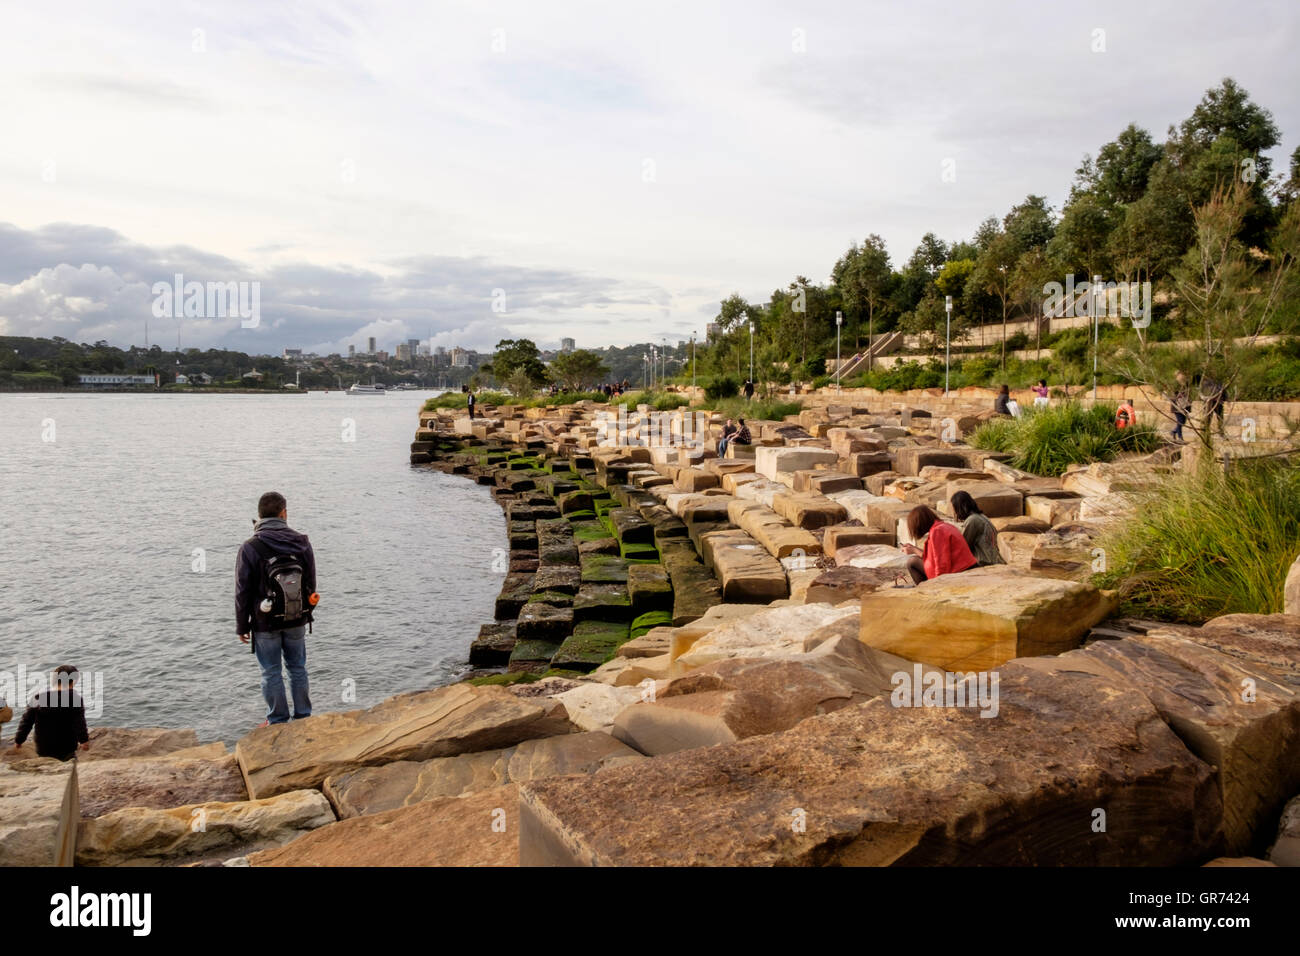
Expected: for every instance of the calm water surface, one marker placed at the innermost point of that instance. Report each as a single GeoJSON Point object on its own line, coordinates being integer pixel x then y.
{"type": "Point", "coordinates": [118, 540]}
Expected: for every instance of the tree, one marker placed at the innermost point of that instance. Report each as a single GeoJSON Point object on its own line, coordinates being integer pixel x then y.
{"type": "Point", "coordinates": [993, 274]}
{"type": "Point", "coordinates": [1030, 224]}
{"type": "Point", "coordinates": [576, 371]}
{"type": "Point", "coordinates": [864, 275]}
{"type": "Point", "coordinates": [513, 354]}
{"type": "Point", "coordinates": [1124, 165]}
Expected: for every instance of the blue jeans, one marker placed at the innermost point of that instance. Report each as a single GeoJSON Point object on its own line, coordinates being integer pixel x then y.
{"type": "Point", "coordinates": [292, 644]}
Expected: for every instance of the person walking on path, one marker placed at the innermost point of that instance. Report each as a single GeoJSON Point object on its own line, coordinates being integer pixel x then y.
{"type": "Point", "coordinates": [469, 402]}
{"type": "Point", "coordinates": [275, 591]}
{"type": "Point", "coordinates": [1212, 392]}
{"type": "Point", "coordinates": [58, 716]}
{"type": "Point", "coordinates": [749, 390]}
{"type": "Point", "coordinates": [1180, 406]}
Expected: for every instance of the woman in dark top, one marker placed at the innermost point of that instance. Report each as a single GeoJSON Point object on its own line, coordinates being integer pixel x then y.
{"type": "Point", "coordinates": [1000, 403]}
{"type": "Point", "coordinates": [978, 531]}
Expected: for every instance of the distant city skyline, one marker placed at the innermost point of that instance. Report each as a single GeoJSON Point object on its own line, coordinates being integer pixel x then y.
{"type": "Point", "coordinates": [461, 174]}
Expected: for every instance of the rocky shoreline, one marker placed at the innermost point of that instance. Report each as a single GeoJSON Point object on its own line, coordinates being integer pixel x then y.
{"type": "Point", "coordinates": [703, 661]}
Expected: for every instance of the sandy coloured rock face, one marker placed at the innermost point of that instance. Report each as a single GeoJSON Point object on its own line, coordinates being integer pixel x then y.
{"type": "Point", "coordinates": [1237, 717]}
{"type": "Point", "coordinates": [982, 618]}
{"type": "Point", "coordinates": [38, 812]}
{"type": "Point", "coordinates": [1291, 591]}
{"type": "Point", "coordinates": [417, 726]}
{"type": "Point", "coordinates": [746, 571]}
{"type": "Point", "coordinates": [137, 835]}
{"type": "Point", "coordinates": [378, 789]}
{"type": "Point", "coordinates": [157, 783]}
{"type": "Point", "coordinates": [478, 830]}
{"type": "Point", "coordinates": [876, 784]}
{"type": "Point", "coordinates": [771, 632]}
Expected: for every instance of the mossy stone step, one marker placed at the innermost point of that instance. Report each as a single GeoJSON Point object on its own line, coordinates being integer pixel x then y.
{"type": "Point", "coordinates": [513, 677]}
{"type": "Point", "coordinates": [565, 578]}
{"type": "Point", "coordinates": [644, 623]}
{"type": "Point", "coordinates": [639, 553]}
{"type": "Point", "coordinates": [533, 655]}
{"type": "Point", "coordinates": [602, 602]}
{"type": "Point", "coordinates": [649, 588]}
{"type": "Point", "coordinates": [553, 598]}
{"type": "Point", "coordinates": [493, 645]}
{"type": "Point", "coordinates": [515, 591]}
{"type": "Point", "coordinates": [591, 644]}
{"type": "Point", "coordinates": [603, 569]}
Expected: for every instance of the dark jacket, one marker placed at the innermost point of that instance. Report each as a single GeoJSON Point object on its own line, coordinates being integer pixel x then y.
{"type": "Point", "coordinates": [59, 718]}
{"type": "Point", "coordinates": [742, 436]}
{"type": "Point", "coordinates": [1000, 404]}
{"type": "Point", "coordinates": [250, 583]}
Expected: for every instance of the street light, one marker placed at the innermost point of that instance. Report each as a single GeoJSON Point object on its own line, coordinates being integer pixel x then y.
{"type": "Point", "coordinates": [645, 371]}
{"type": "Point", "coordinates": [693, 364]}
{"type": "Point", "coordinates": [751, 350]}
{"type": "Point", "coordinates": [947, 343]}
{"type": "Point", "coordinates": [1096, 335]}
{"type": "Point", "coordinates": [839, 321]}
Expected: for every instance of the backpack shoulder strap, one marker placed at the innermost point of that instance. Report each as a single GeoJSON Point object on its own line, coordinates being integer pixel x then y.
{"type": "Point", "coordinates": [263, 549]}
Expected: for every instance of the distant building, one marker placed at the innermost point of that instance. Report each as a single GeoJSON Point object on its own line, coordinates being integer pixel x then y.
{"type": "Point", "coordinates": [710, 331]}
{"type": "Point", "coordinates": [254, 376]}
{"type": "Point", "coordinates": [381, 356]}
{"type": "Point", "coordinates": [460, 357]}
{"type": "Point", "coordinates": [413, 345]}
{"type": "Point", "coordinates": [567, 345]}
{"type": "Point", "coordinates": [115, 381]}
{"type": "Point", "coordinates": [404, 352]}
{"type": "Point", "coordinates": [352, 351]}
{"type": "Point", "coordinates": [371, 350]}
{"type": "Point", "coordinates": [293, 355]}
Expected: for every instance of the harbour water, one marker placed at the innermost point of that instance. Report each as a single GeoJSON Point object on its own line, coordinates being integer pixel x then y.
{"type": "Point", "coordinates": [120, 519]}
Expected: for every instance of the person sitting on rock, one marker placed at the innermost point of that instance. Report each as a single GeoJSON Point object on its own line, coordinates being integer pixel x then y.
{"type": "Point", "coordinates": [728, 430]}
{"type": "Point", "coordinates": [1000, 405]}
{"type": "Point", "coordinates": [981, 537]}
{"type": "Point", "coordinates": [939, 549]}
{"type": "Point", "coordinates": [58, 716]}
{"type": "Point", "coordinates": [742, 436]}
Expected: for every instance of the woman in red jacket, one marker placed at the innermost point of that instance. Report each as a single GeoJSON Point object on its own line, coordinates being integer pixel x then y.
{"type": "Point", "coordinates": [942, 549]}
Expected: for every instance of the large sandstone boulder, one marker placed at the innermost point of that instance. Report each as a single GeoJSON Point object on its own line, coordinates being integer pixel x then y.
{"type": "Point", "coordinates": [878, 784]}
{"type": "Point", "coordinates": [139, 835]}
{"type": "Point", "coordinates": [38, 812]}
{"type": "Point", "coordinates": [773, 632]}
{"type": "Point", "coordinates": [1285, 850]}
{"type": "Point", "coordinates": [1236, 717]}
{"type": "Point", "coordinates": [743, 567]}
{"type": "Point", "coordinates": [809, 511]}
{"type": "Point", "coordinates": [400, 784]}
{"type": "Point", "coordinates": [780, 464]}
{"type": "Point", "coordinates": [158, 783]}
{"type": "Point", "coordinates": [982, 618]}
{"type": "Point", "coordinates": [415, 726]}
{"type": "Point", "coordinates": [1069, 552]}
{"type": "Point", "coordinates": [477, 830]}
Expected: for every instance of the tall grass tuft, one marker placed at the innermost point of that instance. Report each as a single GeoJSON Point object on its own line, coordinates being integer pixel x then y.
{"type": "Point", "coordinates": [1207, 544]}
{"type": "Point", "coordinates": [1046, 441]}
{"type": "Point", "coordinates": [767, 410]}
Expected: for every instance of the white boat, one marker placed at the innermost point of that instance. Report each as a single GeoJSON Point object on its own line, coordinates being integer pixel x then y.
{"type": "Point", "coordinates": [366, 389]}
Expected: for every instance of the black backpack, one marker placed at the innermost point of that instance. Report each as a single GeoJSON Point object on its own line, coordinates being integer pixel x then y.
{"type": "Point", "coordinates": [282, 585]}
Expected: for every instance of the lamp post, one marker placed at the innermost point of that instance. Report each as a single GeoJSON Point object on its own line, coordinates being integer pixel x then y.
{"type": "Point", "coordinates": [692, 365]}
{"type": "Point", "coordinates": [645, 371]}
{"type": "Point", "coordinates": [839, 321]}
{"type": "Point", "coordinates": [751, 350]}
{"type": "Point", "coordinates": [947, 342]}
{"type": "Point", "coordinates": [1096, 335]}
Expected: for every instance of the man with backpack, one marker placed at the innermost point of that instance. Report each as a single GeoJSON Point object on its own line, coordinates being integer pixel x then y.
{"type": "Point", "coordinates": [275, 592]}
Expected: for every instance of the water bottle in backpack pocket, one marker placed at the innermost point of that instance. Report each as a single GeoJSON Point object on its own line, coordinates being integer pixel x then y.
{"type": "Point", "coordinates": [283, 599]}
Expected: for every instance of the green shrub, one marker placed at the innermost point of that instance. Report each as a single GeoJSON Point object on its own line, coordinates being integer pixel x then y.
{"type": "Point", "coordinates": [815, 367]}
{"type": "Point", "coordinates": [1207, 544]}
{"type": "Point", "coordinates": [724, 386]}
{"type": "Point", "coordinates": [1046, 441]}
{"type": "Point", "coordinates": [821, 381]}
{"type": "Point", "coordinates": [1018, 341]}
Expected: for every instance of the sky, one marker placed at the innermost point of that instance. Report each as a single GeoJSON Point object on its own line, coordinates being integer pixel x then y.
{"type": "Point", "coordinates": [467, 172]}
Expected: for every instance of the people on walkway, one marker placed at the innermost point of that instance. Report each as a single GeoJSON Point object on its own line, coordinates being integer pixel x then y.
{"type": "Point", "coordinates": [981, 537]}
{"type": "Point", "coordinates": [275, 592]}
{"type": "Point", "coordinates": [1040, 393]}
{"type": "Point", "coordinates": [1180, 406]}
{"type": "Point", "coordinates": [939, 549]}
{"type": "Point", "coordinates": [749, 390]}
{"type": "Point", "coordinates": [1212, 391]}
{"type": "Point", "coordinates": [58, 717]}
